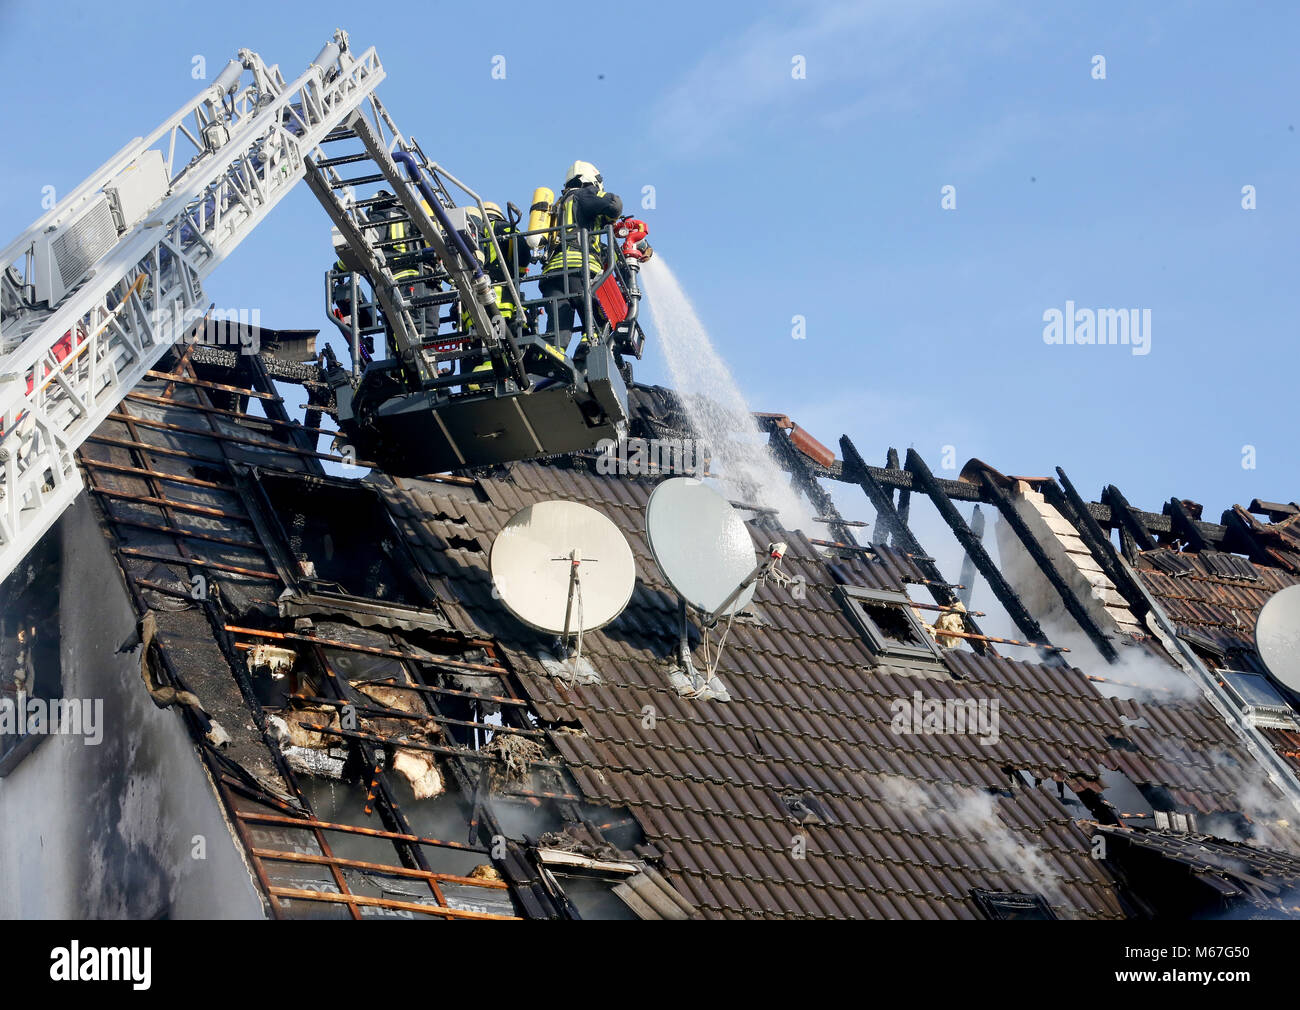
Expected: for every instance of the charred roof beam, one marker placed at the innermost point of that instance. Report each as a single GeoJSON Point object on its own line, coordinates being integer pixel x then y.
{"type": "Point", "coordinates": [1242, 536]}
{"type": "Point", "coordinates": [904, 495]}
{"type": "Point", "coordinates": [1077, 608]}
{"type": "Point", "coordinates": [959, 490]}
{"type": "Point", "coordinates": [880, 535]}
{"type": "Point", "coordinates": [525, 881]}
{"type": "Point", "coordinates": [299, 438]}
{"type": "Point", "coordinates": [896, 478]}
{"type": "Point", "coordinates": [1002, 589]}
{"type": "Point", "coordinates": [378, 792]}
{"type": "Point", "coordinates": [799, 466]}
{"type": "Point", "coordinates": [525, 885]}
{"type": "Point", "coordinates": [967, 576]}
{"type": "Point", "coordinates": [1125, 517]}
{"type": "Point", "coordinates": [1185, 525]}
{"type": "Point", "coordinates": [1274, 511]}
{"type": "Point", "coordinates": [889, 517]}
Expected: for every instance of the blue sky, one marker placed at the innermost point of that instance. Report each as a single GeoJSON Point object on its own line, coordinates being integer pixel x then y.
{"type": "Point", "coordinates": [820, 197]}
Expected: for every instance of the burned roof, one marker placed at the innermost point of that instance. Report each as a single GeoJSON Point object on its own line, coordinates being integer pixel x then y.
{"type": "Point", "coordinates": [1261, 884]}
{"type": "Point", "coordinates": [1214, 603]}
{"type": "Point", "coordinates": [810, 716]}
{"type": "Point", "coordinates": [1214, 599]}
{"type": "Point", "coordinates": [389, 740]}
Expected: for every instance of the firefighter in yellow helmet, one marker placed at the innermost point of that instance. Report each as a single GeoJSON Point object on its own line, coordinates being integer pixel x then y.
{"type": "Point", "coordinates": [583, 204]}
{"type": "Point", "coordinates": [400, 237]}
{"type": "Point", "coordinates": [515, 255]}
{"type": "Point", "coordinates": [508, 257]}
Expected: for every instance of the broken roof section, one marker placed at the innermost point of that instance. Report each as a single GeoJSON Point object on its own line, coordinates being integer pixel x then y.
{"type": "Point", "coordinates": [398, 744]}
{"type": "Point", "coordinates": [1214, 597]}
{"type": "Point", "coordinates": [724, 789]}
{"type": "Point", "coordinates": [1197, 870]}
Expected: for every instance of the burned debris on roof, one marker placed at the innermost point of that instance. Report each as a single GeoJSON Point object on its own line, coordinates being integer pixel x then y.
{"type": "Point", "coordinates": [384, 738]}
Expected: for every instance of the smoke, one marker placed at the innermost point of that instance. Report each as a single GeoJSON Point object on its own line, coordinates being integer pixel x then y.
{"type": "Point", "coordinates": [1274, 819]}
{"type": "Point", "coordinates": [973, 814]}
{"type": "Point", "coordinates": [1138, 674]}
{"type": "Point", "coordinates": [715, 406]}
{"type": "Point", "coordinates": [1150, 678]}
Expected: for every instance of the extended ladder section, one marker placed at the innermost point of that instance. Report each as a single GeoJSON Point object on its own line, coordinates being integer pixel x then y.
{"type": "Point", "coordinates": [95, 292]}
{"type": "Point", "coordinates": [484, 383]}
{"type": "Point", "coordinates": [428, 265]}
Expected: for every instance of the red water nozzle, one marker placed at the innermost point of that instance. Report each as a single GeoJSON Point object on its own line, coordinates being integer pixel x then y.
{"type": "Point", "coordinates": [632, 231]}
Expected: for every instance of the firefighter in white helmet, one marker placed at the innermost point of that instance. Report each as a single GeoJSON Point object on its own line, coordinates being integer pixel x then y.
{"type": "Point", "coordinates": [583, 204]}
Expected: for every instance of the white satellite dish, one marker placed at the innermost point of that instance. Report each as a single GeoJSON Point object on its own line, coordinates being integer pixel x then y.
{"type": "Point", "coordinates": [1277, 636]}
{"type": "Point", "coordinates": [701, 545]}
{"type": "Point", "coordinates": [563, 568]}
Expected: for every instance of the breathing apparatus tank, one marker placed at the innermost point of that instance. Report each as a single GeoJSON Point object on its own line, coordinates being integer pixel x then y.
{"type": "Point", "coordinates": [539, 215]}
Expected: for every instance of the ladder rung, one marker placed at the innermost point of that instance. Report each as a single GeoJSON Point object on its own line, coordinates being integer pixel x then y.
{"type": "Point", "coordinates": [359, 181]}
{"type": "Point", "coordinates": [442, 357]}
{"type": "Point", "coordinates": [343, 134]}
{"type": "Point", "coordinates": [424, 301]}
{"type": "Point", "coordinates": [369, 331]}
{"type": "Point", "coordinates": [346, 159]}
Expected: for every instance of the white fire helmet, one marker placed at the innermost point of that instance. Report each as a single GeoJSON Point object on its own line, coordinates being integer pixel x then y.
{"type": "Point", "coordinates": [583, 172]}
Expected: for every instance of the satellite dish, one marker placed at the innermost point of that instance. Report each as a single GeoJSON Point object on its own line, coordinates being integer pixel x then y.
{"type": "Point", "coordinates": [701, 545]}
{"type": "Point", "coordinates": [562, 567]}
{"type": "Point", "coordinates": [1277, 636]}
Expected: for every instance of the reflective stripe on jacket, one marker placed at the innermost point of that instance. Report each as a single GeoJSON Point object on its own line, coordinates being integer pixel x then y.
{"type": "Point", "coordinates": [582, 207]}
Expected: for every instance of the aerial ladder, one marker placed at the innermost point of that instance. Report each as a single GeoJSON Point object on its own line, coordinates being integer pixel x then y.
{"type": "Point", "coordinates": [99, 289]}
{"type": "Point", "coordinates": [407, 411]}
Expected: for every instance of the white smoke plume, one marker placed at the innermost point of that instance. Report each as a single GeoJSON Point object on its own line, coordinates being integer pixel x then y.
{"type": "Point", "coordinates": [974, 815]}
{"type": "Point", "coordinates": [1138, 674]}
{"type": "Point", "coordinates": [1276, 821]}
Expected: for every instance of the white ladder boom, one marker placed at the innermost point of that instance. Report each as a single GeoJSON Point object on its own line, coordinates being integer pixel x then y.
{"type": "Point", "coordinates": [94, 293]}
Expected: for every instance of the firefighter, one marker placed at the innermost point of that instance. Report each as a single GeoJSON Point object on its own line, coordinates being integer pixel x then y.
{"type": "Point", "coordinates": [507, 258]}
{"type": "Point", "coordinates": [583, 204]}
{"type": "Point", "coordinates": [341, 296]}
{"type": "Point", "coordinates": [505, 304]}
{"type": "Point", "coordinates": [513, 259]}
{"type": "Point", "coordinates": [383, 215]}
{"type": "Point", "coordinates": [515, 255]}
{"type": "Point", "coordinates": [388, 209]}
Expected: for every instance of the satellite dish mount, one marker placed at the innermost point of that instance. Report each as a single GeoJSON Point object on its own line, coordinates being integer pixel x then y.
{"type": "Point", "coordinates": [575, 560]}
{"type": "Point", "coordinates": [706, 554]}
{"type": "Point", "coordinates": [764, 570]}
